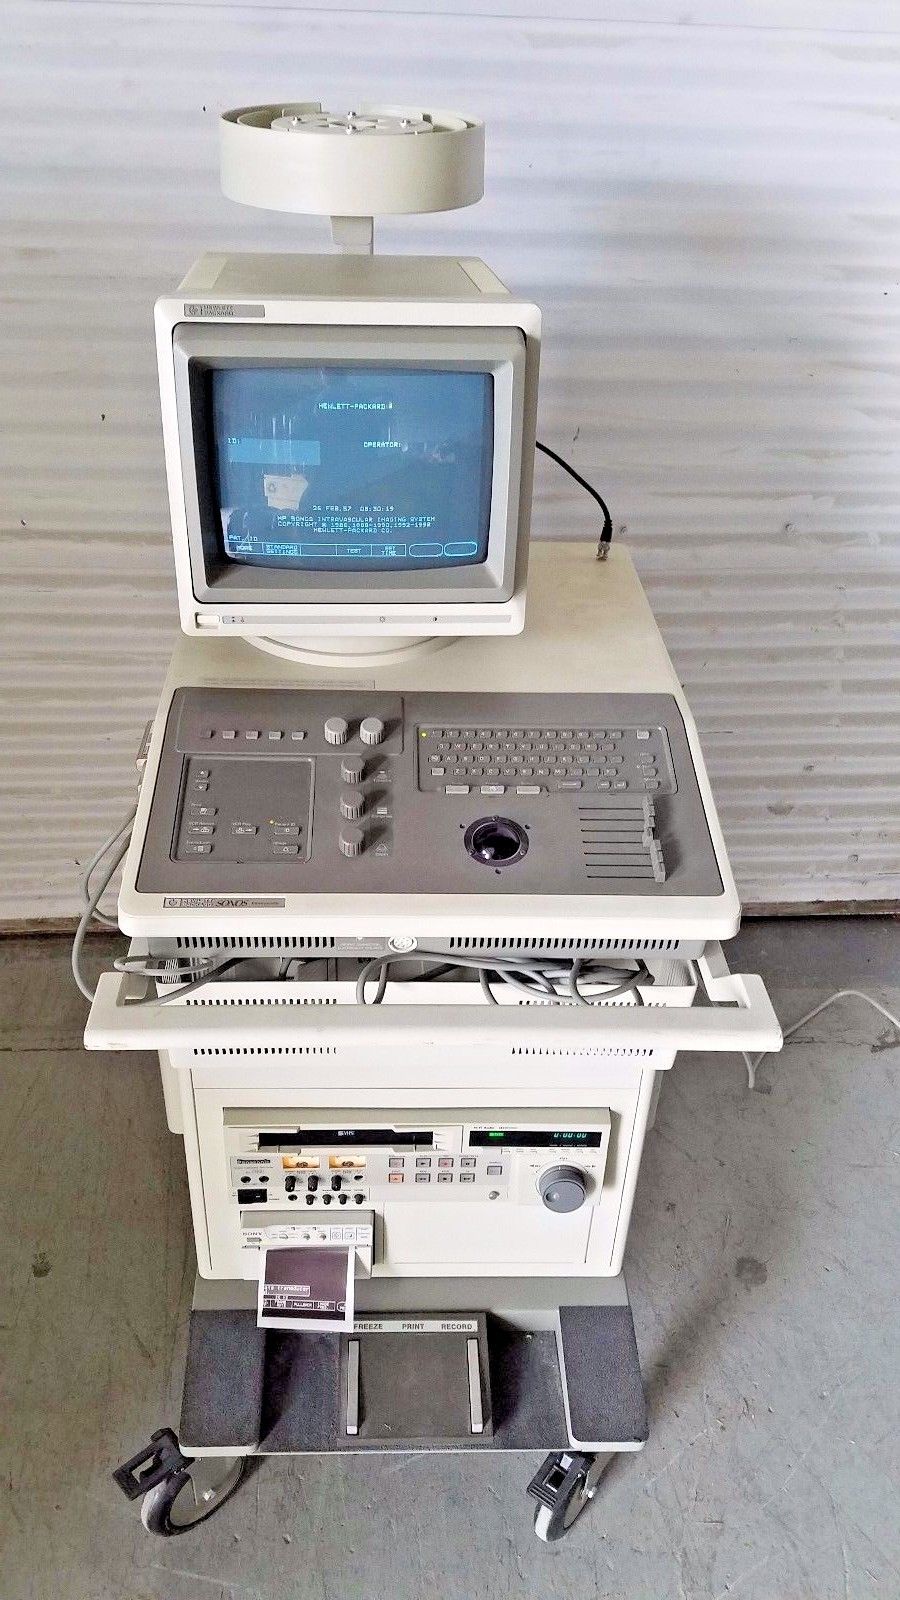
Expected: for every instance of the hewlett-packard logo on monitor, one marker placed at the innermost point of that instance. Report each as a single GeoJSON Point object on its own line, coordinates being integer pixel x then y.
{"type": "Point", "coordinates": [221, 308]}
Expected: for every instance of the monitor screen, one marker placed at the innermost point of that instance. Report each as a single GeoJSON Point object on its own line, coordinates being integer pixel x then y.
{"type": "Point", "coordinates": [341, 467]}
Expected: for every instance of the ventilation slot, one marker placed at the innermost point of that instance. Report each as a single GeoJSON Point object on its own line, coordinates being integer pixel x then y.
{"type": "Point", "coordinates": [619, 841]}
{"type": "Point", "coordinates": [265, 1050]}
{"type": "Point", "coordinates": [258, 1000]}
{"type": "Point", "coordinates": [563, 946]}
{"type": "Point", "coordinates": [589, 1050]}
{"type": "Point", "coordinates": [261, 945]}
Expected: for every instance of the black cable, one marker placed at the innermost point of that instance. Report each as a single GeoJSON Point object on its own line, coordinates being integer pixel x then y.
{"type": "Point", "coordinates": [606, 531]}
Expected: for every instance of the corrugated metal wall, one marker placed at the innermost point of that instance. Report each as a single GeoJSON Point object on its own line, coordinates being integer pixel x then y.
{"type": "Point", "coordinates": [709, 215]}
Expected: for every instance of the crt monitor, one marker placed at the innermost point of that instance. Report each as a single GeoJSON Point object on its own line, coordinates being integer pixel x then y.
{"type": "Point", "coordinates": [350, 480]}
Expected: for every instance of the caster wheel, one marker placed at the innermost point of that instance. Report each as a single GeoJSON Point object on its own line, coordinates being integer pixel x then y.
{"type": "Point", "coordinates": [565, 1484]}
{"type": "Point", "coordinates": [550, 1525]}
{"type": "Point", "coordinates": [190, 1495]}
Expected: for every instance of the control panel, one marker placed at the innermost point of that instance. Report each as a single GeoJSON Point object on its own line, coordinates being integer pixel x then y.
{"type": "Point", "coordinates": [346, 791]}
{"type": "Point", "coordinates": [557, 1166]}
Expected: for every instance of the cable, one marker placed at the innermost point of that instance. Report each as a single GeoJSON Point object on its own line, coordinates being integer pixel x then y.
{"type": "Point", "coordinates": [108, 844]}
{"type": "Point", "coordinates": [162, 969]}
{"type": "Point", "coordinates": [541, 980]}
{"type": "Point", "coordinates": [752, 1062]}
{"type": "Point", "coordinates": [629, 987]}
{"type": "Point", "coordinates": [606, 531]}
{"type": "Point", "coordinates": [86, 917]}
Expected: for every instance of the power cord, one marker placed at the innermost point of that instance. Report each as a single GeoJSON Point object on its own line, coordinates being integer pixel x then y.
{"type": "Point", "coordinates": [752, 1062]}
{"type": "Point", "coordinates": [125, 827]}
{"type": "Point", "coordinates": [606, 531]}
{"type": "Point", "coordinates": [118, 845]}
{"type": "Point", "coordinates": [556, 981]}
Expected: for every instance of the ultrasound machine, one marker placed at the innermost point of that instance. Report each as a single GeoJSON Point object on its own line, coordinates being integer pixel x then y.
{"type": "Point", "coordinates": [425, 887]}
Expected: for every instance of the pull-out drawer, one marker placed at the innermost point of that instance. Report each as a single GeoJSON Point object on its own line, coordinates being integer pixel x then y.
{"type": "Point", "coordinates": [694, 1006]}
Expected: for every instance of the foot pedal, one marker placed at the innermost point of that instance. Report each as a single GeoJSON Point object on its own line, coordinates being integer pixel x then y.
{"type": "Point", "coordinates": [602, 1386]}
{"type": "Point", "coordinates": [414, 1379]}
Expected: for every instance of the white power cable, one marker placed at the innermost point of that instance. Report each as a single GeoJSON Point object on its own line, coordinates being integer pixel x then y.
{"type": "Point", "coordinates": [540, 978]}
{"type": "Point", "coordinates": [108, 844]}
{"type": "Point", "coordinates": [752, 1062]}
{"type": "Point", "coordinates": [90, 911]}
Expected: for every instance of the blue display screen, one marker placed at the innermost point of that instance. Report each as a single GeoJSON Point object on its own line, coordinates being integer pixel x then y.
{"type": "Point", "coordinates": [338, 468]}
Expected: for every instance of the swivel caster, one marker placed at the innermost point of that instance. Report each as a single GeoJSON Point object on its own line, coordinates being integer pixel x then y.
{"type": "Point", "coordinates": [564, 1484]}
{"type": "Point", "coordinates": [191, 1495]}
{"type": "Point", "coordinates": [177, 1491]}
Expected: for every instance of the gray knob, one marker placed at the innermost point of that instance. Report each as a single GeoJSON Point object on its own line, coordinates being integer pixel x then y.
{"type": "Point", "coordinates": [562, 1188]}
{"type": "Point", "coordinates": [336, 730]}
{"type": "Point", "coordinates": [352, 841]}
{"type": "Point", "coordinates": [353, 769]}
{"type": "Point", "coordinates": [352, 803]}
{"type": "Point", "coordinates": [371, 730]}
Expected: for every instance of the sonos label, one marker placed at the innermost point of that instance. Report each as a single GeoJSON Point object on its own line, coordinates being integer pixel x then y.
{"type": "Point", "coordinates": [189, 902]}
{"type": "Point", "coordinates": [210, 308]}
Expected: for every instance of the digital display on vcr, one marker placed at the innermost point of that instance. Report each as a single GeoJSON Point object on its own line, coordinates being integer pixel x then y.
{"type": "Point", "coordinates": [537, 1138]}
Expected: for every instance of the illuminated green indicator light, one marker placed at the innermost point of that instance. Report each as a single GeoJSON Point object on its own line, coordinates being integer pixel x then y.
{"type": "Point", "coordinates": [495, 1133]}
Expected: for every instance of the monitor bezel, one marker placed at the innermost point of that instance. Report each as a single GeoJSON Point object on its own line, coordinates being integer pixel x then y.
{"type": "Point", "coordinates": [499, 351]}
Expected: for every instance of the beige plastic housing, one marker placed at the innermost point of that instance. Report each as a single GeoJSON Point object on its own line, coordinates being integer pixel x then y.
{"type": "Point", "coordinates": [374, 161]}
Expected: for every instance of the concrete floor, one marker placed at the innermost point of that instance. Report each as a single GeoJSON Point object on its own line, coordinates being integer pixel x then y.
{"type": "Point", "coordinates": [763, 1268]}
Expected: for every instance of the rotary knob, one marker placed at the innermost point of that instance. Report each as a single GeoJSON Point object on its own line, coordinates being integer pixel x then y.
{"type": "Point", "coordinates": [352, 803]}
{"type": "Point", "coordinates": [353, 769]}
{"type": "Point", "coordinates": [336, 730]}
{"type": "Point", "coordinates": [371, 730]}
{"type": "Point", "coordinates": [352, 842]}
{"type": "Point", "coordinates": [562, 1188]}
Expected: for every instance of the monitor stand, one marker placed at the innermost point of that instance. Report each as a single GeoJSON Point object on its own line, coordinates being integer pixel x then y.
{"type": "Point", "coordinates": [349, 652]}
